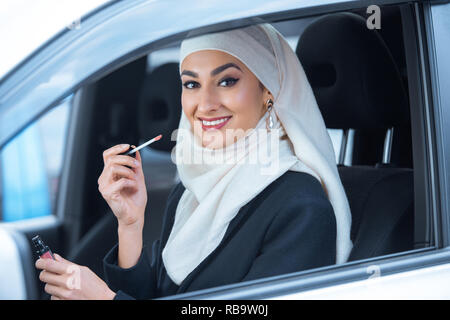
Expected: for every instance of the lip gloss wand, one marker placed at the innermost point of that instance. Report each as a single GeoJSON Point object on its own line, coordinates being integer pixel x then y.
{"type": "Point", "coordinates": [132, 152]}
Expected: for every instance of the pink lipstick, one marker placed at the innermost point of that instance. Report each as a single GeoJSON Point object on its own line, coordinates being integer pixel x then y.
{"type": "Point", "coordinates": [217, 126]}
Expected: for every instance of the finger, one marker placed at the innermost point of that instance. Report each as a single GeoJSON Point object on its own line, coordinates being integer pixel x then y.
{"type": "Point", "coordinates": [116, 187]}
{"type": "Point", "coordinates": [139, 162]}
{"type": "Point", "coordinates": [138, 156]}
{"type": "Point", "coordinates": [61, 259]}
{"type": "Point", "coordinates": [54, 298]}
{"type": "Point", "coordinates": [53, 278]}
{"type": "Point", "coordinates": [123, 160]}
{"type": "Point", "coordinates": [113, 173]}
{"type": "Point", "coordinates": [51, 265]}
{"type": "Point", "coordinates": [117, 172]}
{"type": "Point", "coordinates": [120, 148]}
{"type": "Point", "coordinates": [56, 291]}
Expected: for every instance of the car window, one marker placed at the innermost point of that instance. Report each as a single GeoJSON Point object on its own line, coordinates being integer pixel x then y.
{"type": "Point", "coordinates": [374, 158]}
{"type": "Point", "coordinates": [31, 165]}
{"type": "Point", "coordinates": [375, 161]}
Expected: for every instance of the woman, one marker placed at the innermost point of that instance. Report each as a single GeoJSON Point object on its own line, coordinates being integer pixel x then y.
{"type": "Point", "coordinates": [230, 219]}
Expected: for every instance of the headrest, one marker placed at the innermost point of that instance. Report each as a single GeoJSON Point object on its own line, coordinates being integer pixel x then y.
{"type": "Point", "coordinates": [160, 106]}
{"type": "Point", "coordinates": [353, 75]}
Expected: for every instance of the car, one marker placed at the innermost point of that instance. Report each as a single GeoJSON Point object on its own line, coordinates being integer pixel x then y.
{"type": "Point", "coordinates": [380, 74]}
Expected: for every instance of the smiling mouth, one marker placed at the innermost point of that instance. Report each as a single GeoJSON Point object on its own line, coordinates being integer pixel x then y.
{"type": "Point", "coordinates": [216, 124]}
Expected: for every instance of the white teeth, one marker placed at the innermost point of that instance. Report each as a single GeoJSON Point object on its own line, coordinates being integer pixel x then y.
{"type": "Point", "coordinates": [214, 123]}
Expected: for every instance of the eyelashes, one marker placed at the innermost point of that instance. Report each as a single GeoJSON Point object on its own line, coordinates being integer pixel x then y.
{"type": "Point", "coordinates": [191, 84]}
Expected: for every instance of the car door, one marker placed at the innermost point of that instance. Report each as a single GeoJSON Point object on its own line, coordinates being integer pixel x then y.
{"type": "Point", "coordinates": [103, 44]}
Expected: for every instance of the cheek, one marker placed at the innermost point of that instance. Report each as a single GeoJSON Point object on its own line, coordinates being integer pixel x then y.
{"type": "Point", "coordinates": [247, 103]}
{"type": "Point", "coordinates": [240, 100]}
{"type": "Point", "coordinates": [187, 105]}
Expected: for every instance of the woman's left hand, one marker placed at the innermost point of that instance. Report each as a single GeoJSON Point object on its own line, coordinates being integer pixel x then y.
{"type": "Point", "coordinates": [68, 281]}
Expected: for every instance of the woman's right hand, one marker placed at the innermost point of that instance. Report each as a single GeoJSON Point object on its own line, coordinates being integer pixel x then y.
{"type": "Point", "coordinates": [123, 188]}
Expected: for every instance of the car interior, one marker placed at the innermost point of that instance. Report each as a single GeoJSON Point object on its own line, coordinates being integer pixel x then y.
{"type": "Point", "coordinates": [335, 50]}
{"type": "Point", "coordinates": [360, 79]}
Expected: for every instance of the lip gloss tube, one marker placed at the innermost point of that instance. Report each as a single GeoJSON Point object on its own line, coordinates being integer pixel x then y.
{"type": "Point", "coordinates": [42, 250]}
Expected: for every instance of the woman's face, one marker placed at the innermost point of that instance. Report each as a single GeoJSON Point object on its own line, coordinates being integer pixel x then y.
{"type": "Point", "coordinates": [219, 87]}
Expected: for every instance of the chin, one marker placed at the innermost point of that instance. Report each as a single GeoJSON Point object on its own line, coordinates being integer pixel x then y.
{"type": "Point", "coordinates": [213, 146]}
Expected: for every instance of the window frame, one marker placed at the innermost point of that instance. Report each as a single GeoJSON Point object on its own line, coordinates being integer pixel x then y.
{"type": "Point", "coordinates": [1, 191]}
{"type": "Point", "coordinates": [19, 90]}
{"type": "Point", "coordinates": [438, 53]}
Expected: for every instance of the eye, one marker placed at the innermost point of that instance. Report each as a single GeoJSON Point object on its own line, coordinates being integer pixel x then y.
{"type": "Point", "coordinates": [189, 84]}
{"type": "Point", "coordinates": [231, 81]}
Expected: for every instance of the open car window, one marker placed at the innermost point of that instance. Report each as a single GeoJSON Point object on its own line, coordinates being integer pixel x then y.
{"type": "Point", "coordinates": [374, 152]}
{"type": "Point", "coordinates": [364, 74]}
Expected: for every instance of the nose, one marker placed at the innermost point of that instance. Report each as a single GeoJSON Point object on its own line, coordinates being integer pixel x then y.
{"type": "Point", "coordinates": [208, 102]}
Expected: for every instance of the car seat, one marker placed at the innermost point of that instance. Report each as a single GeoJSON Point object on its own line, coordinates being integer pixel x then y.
{"type": "Point", "coordinates": [357, 86]}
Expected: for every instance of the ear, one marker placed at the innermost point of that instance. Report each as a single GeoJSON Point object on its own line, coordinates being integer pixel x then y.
{"type": "Point", "coordinates": [267, 95]}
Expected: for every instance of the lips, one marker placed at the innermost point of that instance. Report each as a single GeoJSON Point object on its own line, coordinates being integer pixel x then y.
{"type": "Point", "coordinates": [217, 126]}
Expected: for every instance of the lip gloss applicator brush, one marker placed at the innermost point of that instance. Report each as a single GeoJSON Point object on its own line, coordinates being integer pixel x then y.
{"type": "Point", "coordinates": [132, 152]}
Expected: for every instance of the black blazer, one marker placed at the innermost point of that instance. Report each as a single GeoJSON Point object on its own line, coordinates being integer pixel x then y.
{"type": "Point", "coordinates": [289, 226]}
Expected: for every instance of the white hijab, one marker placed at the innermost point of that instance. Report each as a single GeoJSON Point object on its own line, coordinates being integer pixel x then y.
{"type": "Point", "coordinates": [219, 182]}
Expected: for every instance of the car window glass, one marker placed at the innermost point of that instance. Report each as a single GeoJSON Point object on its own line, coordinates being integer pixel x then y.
{"type": "Point", "coordinates": [31, 165]}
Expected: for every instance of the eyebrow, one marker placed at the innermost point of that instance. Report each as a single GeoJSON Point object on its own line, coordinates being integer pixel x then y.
{"type": "Point", "coordinates": [214, 72]}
